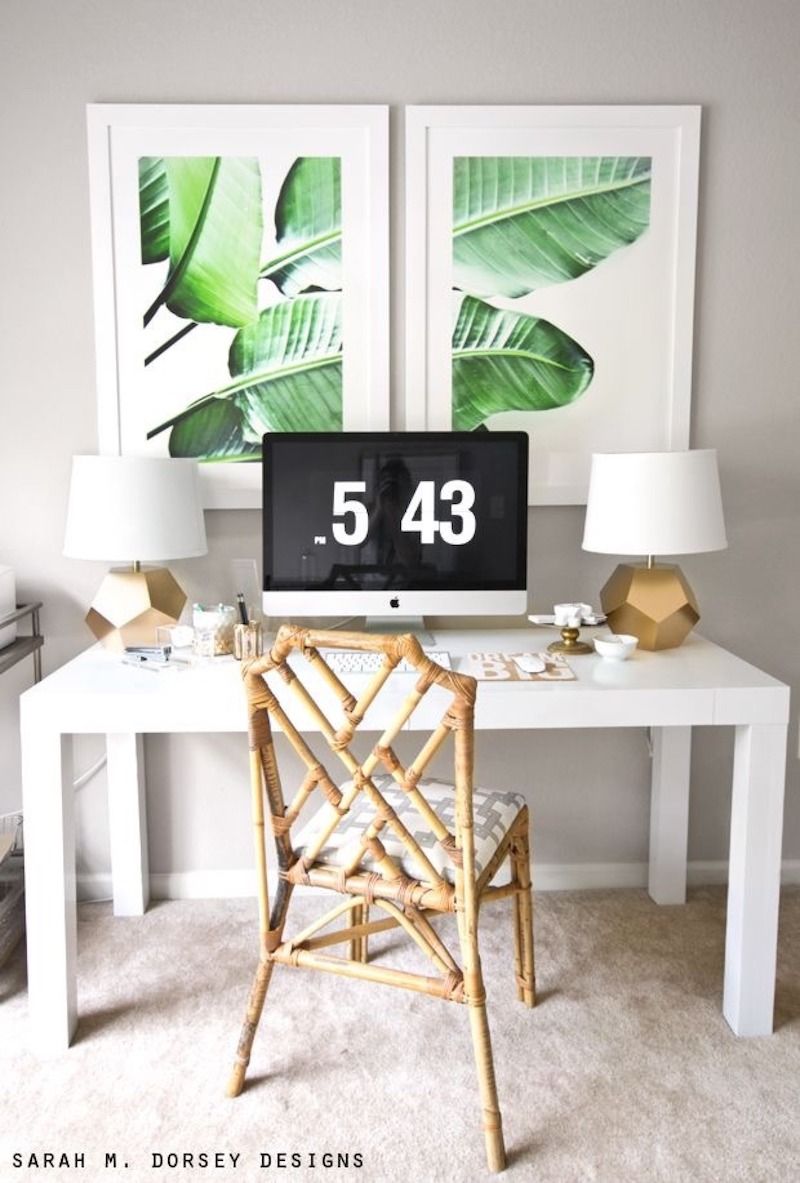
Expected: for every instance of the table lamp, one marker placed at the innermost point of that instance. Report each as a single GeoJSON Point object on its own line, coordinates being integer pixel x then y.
{"type": "Point", "coordinates": [135, 509]}
{"type": "Point", "coordinates": [653, 503]}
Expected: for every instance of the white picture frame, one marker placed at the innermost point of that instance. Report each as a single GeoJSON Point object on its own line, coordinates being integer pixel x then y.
{"type": "Point", "coordinates": [632, 312]}
{"type": "Point", "coordinates": [133, 398]}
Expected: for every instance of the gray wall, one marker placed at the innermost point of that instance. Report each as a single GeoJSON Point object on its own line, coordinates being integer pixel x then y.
{"type": "Point", "coordinates": [736, 58]}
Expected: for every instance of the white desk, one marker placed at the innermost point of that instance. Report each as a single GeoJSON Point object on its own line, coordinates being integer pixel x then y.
{"type": "Point", "coordinates": [695, 685]}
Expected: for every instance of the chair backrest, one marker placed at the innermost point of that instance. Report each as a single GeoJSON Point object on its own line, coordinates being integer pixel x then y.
{"type": "Point", "coordinates": [388, 880]}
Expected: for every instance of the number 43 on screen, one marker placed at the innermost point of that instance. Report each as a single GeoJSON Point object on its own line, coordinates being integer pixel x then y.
{"type": "Point", "coordinates": [419, 517]}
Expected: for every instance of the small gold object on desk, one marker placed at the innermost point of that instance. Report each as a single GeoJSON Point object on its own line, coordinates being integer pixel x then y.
{"type": "Point", "coordinates": [569, 617]}
{"type": "Point", "coordinates": [570, 642]}
{"type": "Point", "coordinates": [247, 640]}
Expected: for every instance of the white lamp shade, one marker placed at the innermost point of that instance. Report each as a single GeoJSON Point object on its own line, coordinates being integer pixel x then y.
{"type": "Point", "coordinates": [134, 508]}
{"type": "Point", "coordinates": [654, 503]}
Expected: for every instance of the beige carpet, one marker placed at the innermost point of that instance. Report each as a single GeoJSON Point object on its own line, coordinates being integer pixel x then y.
{"type": "Point", "coordinates": [625, 1072]}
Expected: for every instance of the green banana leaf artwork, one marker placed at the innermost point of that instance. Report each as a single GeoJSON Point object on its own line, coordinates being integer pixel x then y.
{"type": "Point", "coordinates": [286, 375]}
{"type": "Point", "coordinates": [520, 224]}
{"type": "Point", "coordinates": [263, 282]}
{"type": "Point", "coordinates": [504, 360]}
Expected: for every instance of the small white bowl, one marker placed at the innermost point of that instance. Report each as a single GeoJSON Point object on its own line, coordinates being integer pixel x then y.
{"type": "Point", "coordinates": [615, 646]}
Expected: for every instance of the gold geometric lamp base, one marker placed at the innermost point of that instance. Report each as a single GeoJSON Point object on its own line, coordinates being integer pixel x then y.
{"type": "Point", "coordinates": [655, 604]}
{"type": "Point", "coordinates": [130, 605]}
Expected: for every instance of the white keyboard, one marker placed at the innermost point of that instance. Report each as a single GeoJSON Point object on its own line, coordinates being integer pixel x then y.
{"type": "Point", "coordinates": [355, 661]}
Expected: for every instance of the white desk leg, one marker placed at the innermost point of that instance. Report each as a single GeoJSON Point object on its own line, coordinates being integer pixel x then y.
{"type": "Point", "coordinates": [127, 817]}
{"type": "Point", "coordinates": [754, 873]}
{"type": "Point", "coordinates": [52, 931]}
{"type": "Point", "coordinates": [669, 814]}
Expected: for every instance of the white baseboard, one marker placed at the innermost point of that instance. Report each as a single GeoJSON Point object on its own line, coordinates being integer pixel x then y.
{"type": "Point", "coordinates": [94, 887]}
{"type": "Point", "coordinates": [706, 874]}
{"type": "Point", "coordinates": [709, 874]}
{"type": "Point", "coordinates": [231, 884]}
{"type": "Point", "coordinates": [178, 885]}
{"type": "Point", "coordinates": [198, 885]}
{"type": "Point", "coordinates": [580, 876]}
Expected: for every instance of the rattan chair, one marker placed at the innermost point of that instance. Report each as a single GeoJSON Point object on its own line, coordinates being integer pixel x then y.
{"type": "Point", "coordinates": [404, 846]}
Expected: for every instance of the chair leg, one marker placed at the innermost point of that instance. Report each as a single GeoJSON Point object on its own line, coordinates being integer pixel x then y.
{"type": "Point", "coordinates": [270, 939]}
{"type": "Point", "coordinates": [517, 947]}
{"type": "Point", "coordinates": [255, 1005]}
{"type": "Point", "coordinates": [523, 914]}
{"type": "Point", "coordinates": [359, 914]}
{"type": "Point", "coordinates": [492, 1120]}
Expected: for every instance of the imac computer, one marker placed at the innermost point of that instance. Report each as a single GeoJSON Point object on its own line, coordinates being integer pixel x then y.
{"type": "Point", "coordinates": [395, 525]}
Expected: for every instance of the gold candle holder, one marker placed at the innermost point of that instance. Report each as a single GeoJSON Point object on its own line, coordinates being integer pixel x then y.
{"type": "Point", "coordinates": [570, 642]}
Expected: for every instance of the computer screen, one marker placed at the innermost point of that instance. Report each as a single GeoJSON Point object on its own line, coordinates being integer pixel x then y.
{"type": "Point", "coordinates": [395, 523]}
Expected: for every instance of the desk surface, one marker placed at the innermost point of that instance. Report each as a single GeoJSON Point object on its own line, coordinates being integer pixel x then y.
{"type": "Point", "coordinates": [698, 683]}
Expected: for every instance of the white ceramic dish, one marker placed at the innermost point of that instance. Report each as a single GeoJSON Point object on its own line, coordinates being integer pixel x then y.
{"type": "Point", "coordinates": [550, 620]}
{"type": "Point", "coordinates": [616, 646]}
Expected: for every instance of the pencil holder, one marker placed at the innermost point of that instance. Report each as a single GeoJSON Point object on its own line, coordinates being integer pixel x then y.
{"type": "Point", "coordinates": [247, 640]}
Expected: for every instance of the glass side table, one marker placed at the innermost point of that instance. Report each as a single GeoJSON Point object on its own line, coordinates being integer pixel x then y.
{"type": "Point", "coordinates": [12, 876]}
{"type": "Point", "coordinates": [24, 646]}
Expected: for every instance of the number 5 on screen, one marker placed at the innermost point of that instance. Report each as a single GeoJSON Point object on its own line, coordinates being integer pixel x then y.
{"type": "Point", "coordinates": [342, 505]}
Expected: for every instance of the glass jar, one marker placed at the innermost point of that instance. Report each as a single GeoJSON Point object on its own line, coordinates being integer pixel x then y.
{"type": "Point", "coordinates": [213, 629]}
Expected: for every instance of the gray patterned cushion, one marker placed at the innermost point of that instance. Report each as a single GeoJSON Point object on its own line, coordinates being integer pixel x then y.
{"type": "Point", "coordinates": [494, 814]}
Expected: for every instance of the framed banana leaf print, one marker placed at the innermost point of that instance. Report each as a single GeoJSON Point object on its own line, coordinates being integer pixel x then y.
{"type": "Point", "coordinates": [240, 261]}
{"type": "Point", "coordinates": [550, 279]}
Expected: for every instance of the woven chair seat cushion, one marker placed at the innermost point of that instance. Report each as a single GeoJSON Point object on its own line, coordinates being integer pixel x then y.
{"type": "Point", "coordinates": [494, 815]}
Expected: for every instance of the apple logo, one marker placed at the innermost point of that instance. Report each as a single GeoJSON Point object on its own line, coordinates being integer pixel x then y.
{"type": "Point", "coordinates": [394, 602]}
